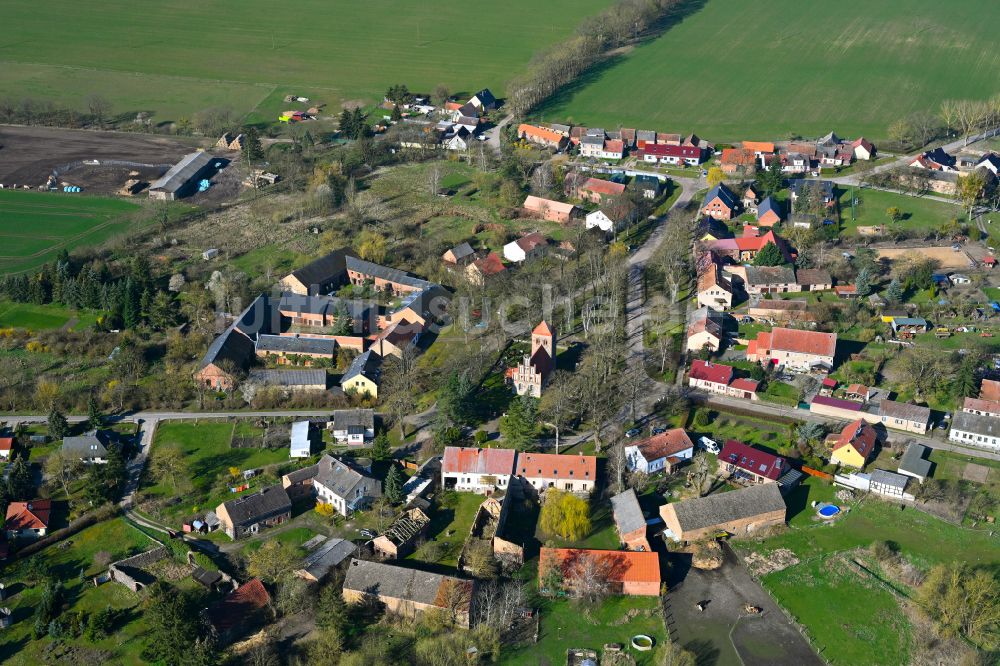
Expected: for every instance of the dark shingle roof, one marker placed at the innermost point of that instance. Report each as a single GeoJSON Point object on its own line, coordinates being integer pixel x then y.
{"type": "Point", "coordinates": [722, 192]}
{"type": "Point", "coordinates": [289, 377]}
{"type": "Point", "coordinates": [181, 173]}
{"type": "Point", "coordinates": [343, 418]}
{"type": "Point", "coordinates": [267, 502]}
{"type": "Point", "coordinates": [887, 478]}
{"type": "Point", "coordinates": [339, 478]}
{"type": "Point", "coordinates": [384, 272]}
{"type": "Point", "coordinates": [326, 269]}
{"type": "Point", "coordinates": [694, 514]}
{"type": "Point", "coordinates": [90, 445]}
{"type": "Point", "coordinates": [397, 582]}
{"type": "Point", "coordinates": [296, 345]}
{"type": "Point", "coordinates": [368, 365]}
{"type": "Point", "coordinates": [902, 410]}
{"type": "Point", "coordinates": [913, 460]}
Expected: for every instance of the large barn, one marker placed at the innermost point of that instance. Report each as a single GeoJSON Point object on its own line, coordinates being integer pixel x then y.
{"type": "Point", "coordinates": [182, 178]}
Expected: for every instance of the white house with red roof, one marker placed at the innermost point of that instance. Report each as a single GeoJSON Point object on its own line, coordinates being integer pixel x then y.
{"type": "Point", "coordinates": [526, 247]}
{"type": "Point", "coordinates": [748, 465]}
{"type": "Point", "coordinates": [6, 444]}
{"type": "Point", "coordinates": [476, 470]}
{"type": "Point", "coordinates": [797, 350]}
{"type": "Point", "coordinates": [720, 378]}
{"type": "Point", "coordinates": [669, 154]}
{"type": "Point", "coordinates": [575, 474]}
{"type": "Point", "coordinates": [28, 519]}
{"type": "Point", "coordinates": [659, 452]}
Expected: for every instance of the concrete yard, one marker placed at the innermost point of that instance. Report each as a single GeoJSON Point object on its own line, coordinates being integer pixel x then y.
{"type": "Point", "coordinates": [723, 634]}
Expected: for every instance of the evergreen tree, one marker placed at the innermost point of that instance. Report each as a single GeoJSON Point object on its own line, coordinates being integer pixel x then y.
{"type": "Point", "coordinates": [251, 143]}
{"type": "Point", "coordinates": [965, 379]}
{"type": "Point", "coordinates": [894, 293]}
{"type": "Point", "coordinates": [94, 417]}
{"type": "Point", "coordinates": [58, 426]}
{"type": "Point", "coordinates": [20, 485]}
{"type": "Point", "coordinates": [346, 126]}
{"type": "Point", "coordinates": [381, 448]}
{"type": "Point", "coordinates": [394, 485]}
{"type": "Point", "coordinates": [863, 282]}
{"type": "Point", "coordinates": [518, 425]}
{"type": "Point", "coordinates": [453, 399]}
{"type": "Point", "coordinates": [396, 114]}
{"type": "Point", "coordinates": [769, 255]}
{"type": "Point", "coordinates": [331, 610]}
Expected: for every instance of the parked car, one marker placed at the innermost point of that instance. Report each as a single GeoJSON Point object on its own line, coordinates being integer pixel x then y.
{"type": "Point", "coordinates": [634, 432]}
{"type": "Point", "coordinates": [367, 533]}
{"type": "Point", "coordinates": [658, 430]}
{"type": "Point", "coordinates": [709, 445]}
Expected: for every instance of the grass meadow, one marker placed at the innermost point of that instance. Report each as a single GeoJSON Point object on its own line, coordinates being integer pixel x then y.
{"type": "Point", "coordinates": [919, 213]}
{"type": "Point", "coordinates": [35, 226]}
{"type": "Point", "coordinates": [735, 70]}
{"type": "Point", "coordinates": [177, 57]}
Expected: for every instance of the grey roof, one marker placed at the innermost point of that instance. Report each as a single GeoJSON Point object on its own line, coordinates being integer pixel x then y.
{"type": "Point", "coordinates": [341, 479]}
{"type": "Point", "coordinates": [723, 193]}
{"type": "Point", "coordinates": [825, 186]}
{"type": "Point", "coordinates": [319, 562]}
{"type": "Point", "coordinates": [343, 418]}
{"type": "Point", "coordinates": [302, 474]}
{"type": "Point", "coordinates": [562, 129]}
{"type": "Point", "coordinates": [645, 135]}
{"type": "Point", "coordinates": [812, 276]}
{"type": "Point", "coordinates": [267, 502]}
{"type": "Point", "coordinates": [289, 344]}
{"type": "Point", "coordinates": [330, 306]}
{"type": "Point", "coordinates": [90, 445]}
{"type": "Point", "coordinates": [259, 317]}
{"type": "Point", "coordinates": [887, 478]}
{"type": "Point", "coordinates": [702, 512]}
{"type": "Point", "coordinates": [988, 426]}
{"type": "Point", "coordinates": [462, 250]}
{"type": "Point", "coordinates": [392, 274]}
{"type": "Point", "coordinates": [236, 344]}
{"type": "Point", "coordinates": [627, 512]}
{"type": "Point", "coordinates": [367, 365]}
{"type": "Point", "coordinates": [768, 204]}
{"type": "Point", "coordinates": [913, 460]}
{"type": "Point", "coordinates": [289, 377]}
{"type": "Point", "coordinates": [433, 299]}
{"type": "Point", "coordinates": [829, 138]}
{"type": "Point", "coordinates": [902, 410]}
{"type": "Point", "coordinates": [397, 582]}
{"type": "Point", "coordinates": [757, 275]}
{"type": "Point", "coordinates": [325, 270]}
{"type": "Point", "coordinates": [591, 140]}
{"type": "Point", "coordinates": [182, 172]}
{"type": "Point", "coordinates": [485, 97]}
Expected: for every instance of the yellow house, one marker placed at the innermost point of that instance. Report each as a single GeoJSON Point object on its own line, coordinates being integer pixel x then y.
{"type": "Point", "coordinates": [364, 375]}
{"type": "Point", "coordinates": [855, 445]}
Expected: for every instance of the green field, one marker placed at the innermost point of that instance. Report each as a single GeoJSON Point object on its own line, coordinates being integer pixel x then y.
{"type": "Point", "coordinates": [35, 226]}
{"type": "Point", "coordinates": [176, 58]}
{"type": "Point", "coordinates": [760, 70]}
{"type": "Point", "coordinates": [919, 213]}
{"type": "Point", "coordinates": [207, 452]}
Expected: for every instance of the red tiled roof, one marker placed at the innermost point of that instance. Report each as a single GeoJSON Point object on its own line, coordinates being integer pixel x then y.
{"type": "Point", "coordinates": [461, 459]}
{"type": "Point", "coordinates": [664, 445]}
{"type": "Point", "coordinates": [622, 566]}
{"type": "Point", "coordinates": [837, 402]}
{"type": "Point", "coordinates": [759, 146]}
{"type": "Point", "coordinates": [737, 156]}
{"type": "Point", "coordinates": [804, 342]}
{"type": "Point", "coordinates": [989, 390]}
{"type": "Point", "coordinates": [614, 146]}
{"type": "Point", "coordinates": [859, 434]}
{"type": "Point", "coordinates": [990, 260]}
{"type": "Point", "coordinates": [542, 133]}
{"type": "Point", "coordinates": [667, 150]}
{"type": "Point", "coordinates": [6, 443]}
{"type": "Point", "coordinates": [543, 328]}
{"type": "Point", "coordinates": [846, 289]}
{"type": "Point", "coordinates": [715, 373]}
{"type": "Point", "coordinates": [743, 384]}
{"type": "Point", "coordinates": [531, 241]}
{"type": "Point", "coordinates": [553, 466]}
{"type": "Point", "coordinates": [491, 264]}
{"type": "Point", "coordinates": [602, 186]}
{"type": "Point", "coordinates": [830, 382]}
{"type": "Point", "coordinates": [238, 606]}
{"type": "Point", "coordinates": [753, 460]}
{"type": "Point", "coordinates": [33, 515]}
{"type": "Point", "coordinates": [979, 405]}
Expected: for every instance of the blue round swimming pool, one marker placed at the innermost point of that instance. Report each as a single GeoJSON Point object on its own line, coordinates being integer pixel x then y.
{"type": "Point", "coordinates": [829, 511]}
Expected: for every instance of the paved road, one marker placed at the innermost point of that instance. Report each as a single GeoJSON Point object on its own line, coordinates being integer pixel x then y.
{"type": "Point", "coordinates": [13, 419]}
{"type": "Point", "coordinates": [138, 462]}
{"type": "Point", "coordinates": [493, 134]}
{"type": "Point", "coordinates": [958, 144]}
{"type": "Point", "coordinates": [937, 441]}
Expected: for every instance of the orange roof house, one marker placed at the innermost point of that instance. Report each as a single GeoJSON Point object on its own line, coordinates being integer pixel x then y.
{"type": "Point", "coordinates": [542, 136]}
{"type": "Point", "coordinates": [574, 473]}
{"type": "Point", "coordinates": [28, 519]}
{"type": "Point", "coordinates": [595, 190]}
{"type": "Point", "coordinates": [989, 390]}
{"type": "Point", "coordinates": [6, 444]}
{"type": "Point", "coordinates": [485, 267]}
{"type": "Point", "coordinates": [628, 572]}
{"type": "Point", "coordinates": [855, 444]}
{"type": "Point", "coordinates": [759, 147]}
{"type": "Point", "coordinates": [735, 159]}
{"type": "Point", "coordinates": [802, 351]}
{"type": "Point", "coordinates": [239, 611]}
{"type": "Point", "coordinates": [548, 209]}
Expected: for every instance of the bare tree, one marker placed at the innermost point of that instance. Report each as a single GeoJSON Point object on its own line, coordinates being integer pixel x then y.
{"type": "Point", "coordinates": [589, 578]}
{"type": "Point", "coordinates": [618, 469]}
{"type": "Point", "coordinates": [99, 107]}
{"type": "Point", "coordinates": [559, 401]}
{"type": "Point", "coordinates": [434, 180]}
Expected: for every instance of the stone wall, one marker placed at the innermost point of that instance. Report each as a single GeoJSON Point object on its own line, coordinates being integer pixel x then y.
{"type": "Point", "coordinates": [130, 571]}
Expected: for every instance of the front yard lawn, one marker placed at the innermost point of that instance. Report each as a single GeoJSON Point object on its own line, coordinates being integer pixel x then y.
{"type": "Point", "coordinates": [451, 521]}
{"type": "Point", "coordinates": [781, 393]}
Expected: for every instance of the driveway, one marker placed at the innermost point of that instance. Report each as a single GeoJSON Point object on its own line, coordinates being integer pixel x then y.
{"type": "Point", "coordinates": [723, 634]}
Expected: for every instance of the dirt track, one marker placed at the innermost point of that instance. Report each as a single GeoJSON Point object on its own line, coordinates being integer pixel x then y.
{"type": "Point", "coordinates": [28, 154]}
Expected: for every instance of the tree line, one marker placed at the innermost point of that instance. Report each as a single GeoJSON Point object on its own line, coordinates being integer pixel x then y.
{"type": "Point", "coordinates": [561, 63]}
